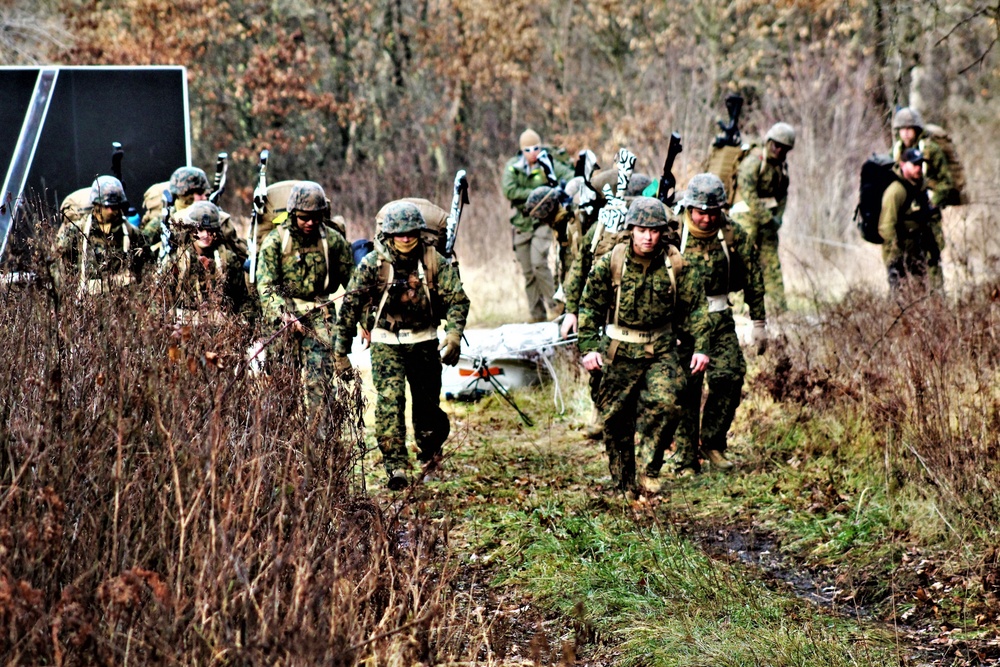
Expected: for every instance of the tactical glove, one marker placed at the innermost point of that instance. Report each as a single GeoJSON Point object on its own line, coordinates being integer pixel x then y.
{"type": "Point", "coordinates": [341, 364]}
{"type": "Point", "coordinates": [452, 348]}
{"type": "Point", "coordinates": [758, 336]}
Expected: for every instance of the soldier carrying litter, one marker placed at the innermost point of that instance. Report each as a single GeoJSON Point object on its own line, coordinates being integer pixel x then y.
{"type": "Point", "coordinates": [637, 299]}
{"type": "Point", "coordinates": [399, 294]}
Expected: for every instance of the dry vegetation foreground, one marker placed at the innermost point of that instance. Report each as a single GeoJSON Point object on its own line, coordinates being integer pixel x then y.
{"type": "Point", "coordinates": [160, 505]}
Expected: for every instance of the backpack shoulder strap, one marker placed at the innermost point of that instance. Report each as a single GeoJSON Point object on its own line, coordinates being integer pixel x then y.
{"type": "Point", "coordinates": [430, 266]}
{"type": "Point", "coordinates": [675, 264]}
{"type": "Point", "coordinates": [617, 271]}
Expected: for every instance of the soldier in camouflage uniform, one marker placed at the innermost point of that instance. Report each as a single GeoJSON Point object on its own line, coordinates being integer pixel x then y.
{"type": "Point", "coordinates": [629, 331]}
{"type": "Point", "coordinates": [101, 249]}
{"type": "Point", "coordinates": [908, 125]}
{"type": "Point", "coordinates": [906, 223]}
{"type": "Point", "coordinates": [207, 275]}
{"type": "Point", "coordinates": [532, 239]}
{"type": "Point", "coordinates": [400, 293]}
{"type": "Point", "coordinates": [761, 196]}
{"type": "Point", "coordinates": [721, 259]}
{"type": "Point", "coordinates": [576, 276]}
{"type": "Point", "coordinates": [189, 185]}
{"type": "Point", "coordinates": [301, 264]}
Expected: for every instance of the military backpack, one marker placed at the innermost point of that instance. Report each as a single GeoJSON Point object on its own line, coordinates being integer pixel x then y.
{"type": "Point", "coordinates": [876, 176]}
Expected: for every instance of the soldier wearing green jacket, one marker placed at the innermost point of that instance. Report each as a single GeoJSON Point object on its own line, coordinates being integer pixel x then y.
{"type": "Point", "coordinates": [908, 125]}
{"type": "Point", "coordinates": [531, 238]}
{"type": "Point", "coordinates": [906, 223]}
{"type": "Point", "coordinates": [759, 206]}
{"type": "Point", "coordinates": [301, 264]}
{"type": "Point", "coordinates": [399, 294]}
{"type": "Point", "coordinates": [721, 259]}
{"type": "Point", "coordinates": [101, 250]}
{"type": "Point", "coordinates": [637, 298]}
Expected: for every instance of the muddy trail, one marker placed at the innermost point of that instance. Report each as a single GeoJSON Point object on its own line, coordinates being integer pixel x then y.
{"type": "Point", "coordinates": [526, 631]}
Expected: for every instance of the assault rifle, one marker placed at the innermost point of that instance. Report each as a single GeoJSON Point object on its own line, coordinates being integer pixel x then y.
{"type": "Point", "coordinates": [459, 198]}
{"type": "Point", "coordinates": [730, 131]}
{"type": "Point", "coordinates": [666, 192]}
{"type": "Point", "coordinates": [259, 204]}
{"type": "Point", "coordinates": [219, 182]}
{"type": "Point", "coordinates": [117, 154]}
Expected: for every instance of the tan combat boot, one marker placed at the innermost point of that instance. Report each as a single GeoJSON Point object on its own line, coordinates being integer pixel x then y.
{"type": "Point", "coordinates": [718, 459]}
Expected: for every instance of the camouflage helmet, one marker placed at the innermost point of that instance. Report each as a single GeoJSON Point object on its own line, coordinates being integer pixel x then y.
{"type": "Point", "coordinates": [781, 133]}
{"type": "Point", "coordinates": [637, 184]}
{"type": "Point", "coordinates": [107, 191]}
{"type": "Point", "coordinates": [307, 196]}
{"type": "Point", "coordinates": [542, 203]}
{"type": "Point", "coordinates": [907, 117]}
{"type": "Point", "coordinates": [402, 217]}
{"type": "Point", "coordinates": [646, 212]}
{"type": "Point", "coordinates": [705, 191]}
{"type": "Point", "coordinates": [188, 180]}
{"type": "Point", "coordinates": [202, 215]}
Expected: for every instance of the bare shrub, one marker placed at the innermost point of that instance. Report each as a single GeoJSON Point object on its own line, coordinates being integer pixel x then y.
{"type": "Point", "coordinates": [158, 504]}
{"type": "Point", "coordinates": [920, 373]}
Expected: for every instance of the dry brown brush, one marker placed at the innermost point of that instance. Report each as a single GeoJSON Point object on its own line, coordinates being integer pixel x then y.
{"type": "Point", "coordinates": [917, 377]}
{"type": "Point", "coordinates": [158, 505]}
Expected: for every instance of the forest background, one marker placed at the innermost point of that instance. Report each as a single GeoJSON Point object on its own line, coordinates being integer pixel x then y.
{"type": "Point", "coordinates": [379, 99]}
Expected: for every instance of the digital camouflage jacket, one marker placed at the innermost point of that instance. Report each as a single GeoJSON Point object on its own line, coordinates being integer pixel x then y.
{"type": "Point", "coordinates": [763, 186]}
{"type": "Point", "coordinates": [719, 273]}
{"type": "Point", "coordinates": [294, 274]}
{"type": "Point", "coordinates": [647, 303]}
{"type": "Point", "coordinates": [412, 301]}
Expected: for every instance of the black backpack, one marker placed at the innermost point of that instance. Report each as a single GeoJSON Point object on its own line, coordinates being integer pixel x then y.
{"type": "Point", "coordinates": [876, 176]}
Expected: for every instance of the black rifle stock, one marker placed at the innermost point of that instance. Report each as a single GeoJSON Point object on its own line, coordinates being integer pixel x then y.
{"type": "Point", "coordinates": [731, 131]}
{"type": "Point", "coordinates": [667, 191]}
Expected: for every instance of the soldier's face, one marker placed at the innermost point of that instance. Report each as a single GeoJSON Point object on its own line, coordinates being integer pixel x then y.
{"type": "Point", "coordinates": [308, 221]}
{"type": "Point", "coordinates": [645, 240]}
{"type": "Point", "coordinates": [912, 171]}
{"type": "Point", "coordinates": [778, 151]}
{"type": "Point", "coordinates": [531, 153]}
{"type": "Point", "coordinates": [908, 135]}
{"type": "Point", "coordinates": [205, 238]}
{"type": "Point", "coordinates": [707, 220]}
{"type": "Point", "coordinates": [106, 214]}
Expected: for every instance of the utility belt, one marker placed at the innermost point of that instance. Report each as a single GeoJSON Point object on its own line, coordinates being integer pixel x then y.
{"type": "Point", "coordinates": [627, 335]}
{"type": "Point", "coordinates": [403, 336]}
{"type": "Point", "coordinates": [98, 285]}
{"type": "Point", "coordinates": [718, 303]}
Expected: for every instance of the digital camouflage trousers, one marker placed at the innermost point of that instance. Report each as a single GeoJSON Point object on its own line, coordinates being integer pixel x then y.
{"type": "Point", "coordinates": [724, 380]}
{"type": "Point", "coordinates": [651, 388]}
{"type": "Point", "coordinates": [392, 367]}
{"type": "Point", "coordinates": [770, 264]}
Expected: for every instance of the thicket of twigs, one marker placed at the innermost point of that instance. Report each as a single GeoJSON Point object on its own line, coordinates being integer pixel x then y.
{"type": "Point", "coordinates": [916, 376]}
{"type": "Point", "coordinates": [159, 505]}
